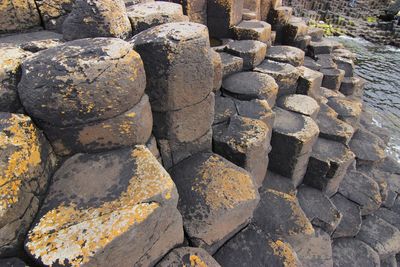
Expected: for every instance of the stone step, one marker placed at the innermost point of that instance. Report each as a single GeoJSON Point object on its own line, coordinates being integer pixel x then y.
{"type": "Point", "coordinates": [332, 78]}
{"type": "Point", "coordinates": [389, 216]}
{"type": "Point", "coordinates": [344, 53]}
{"type": "Point", "coordinates": [248, 14]}
{"type": "Point", "coordinates": [351, 220]}
{"type": "Point", "coordinates": [188, 256]}
{"type": "Point", "coordinates": [286, 54]}
{"type": "Point", "coordinates": [301, 104]}
{"type": "Point", "coordinates": [309, 82]}
{"type": "Point", "coordinates": [230, 64]}
{"type": "Point", "coordinates": [323, 47]}
{"type": "Point", "coordinates": [353, 252]}
{"type": "Point", "coordinates": [312, 64]}
{"type": "Point", "coordinates": [302, 42]}
{"type": "Point", "coordinates": [279, 183]}
{"type": "Point", "coordinates": [252, 52]}
{"type": "Point", "coordinates": [253, 30]}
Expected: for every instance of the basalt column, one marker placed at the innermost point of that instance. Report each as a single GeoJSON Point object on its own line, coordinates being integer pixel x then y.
{"type": "Point", "coordinates": [180, 72]}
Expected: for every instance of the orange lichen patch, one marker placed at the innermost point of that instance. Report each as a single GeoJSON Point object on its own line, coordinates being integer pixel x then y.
{"type": "Point", "coordinates": [18, 14]}
{"type": "Point", "coordinates": [282, 250]}
{"type": "Point", "coordinates": [221, 186]}
{"type": "Point", "coordinates": [54, 8]}
{"type": "Point", "coordinates": [196, 261]}
{"type": "Point", "coordinates": [72, 234]}
{"type": "Point", "coordinates": [20, 138]}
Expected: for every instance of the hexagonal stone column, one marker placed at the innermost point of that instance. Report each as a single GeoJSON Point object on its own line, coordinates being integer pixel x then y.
{"type": "Point", "coordinates": [222, 15]}
{"type": "Point", "coordinates": [348, 110]}
{"type": "Point", "coordinates": [328, 165]}
{"type": "Point", "coordinates": [293, 137]}
{"type": "Point", "coordinates": [252, 52]}
{"type": "Point", "coordinates": [107, 18]}
{"type": "Point", "coordinates": [216, 199]}
{"type": "Point", "coordinates": [309, 81]}
{"type": "Point", "coordinates": [286, 54]}
{"type": "Point", "coordinates": [351, 217]}
{"type": "Point", "coordinates": [301, 104]}
{"type": "Point", "coordinates": [369, 148]}
{"type": "Point", "coordinates": [102, 207]}
{"type": "Point", "coordinates": [188, 256]}
{"type": "Point", "coordinates": [350, 251]}
{"type": "Point", "coordinates": [27, 162]}
{"type": "Point", "coordinates": [293, 30]}
{"type": "Point", "coordinates": [352, 86]}
{"type": "Point", "coordinates": [16, 15]}
{"type": "Point", "coordinates": [253, 30]}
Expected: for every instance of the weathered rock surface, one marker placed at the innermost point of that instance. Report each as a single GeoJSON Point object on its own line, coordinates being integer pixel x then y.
{"type": "Point", "coordinates": [19, 39]}
{"type": "Point", "coordinates": [286, 54]}
{"type": "Point", "coordinates": [230, 64]}
{"type": "Point", "coordinates": [323, 47]}
{"type": "Point", "coordinates": [389, 216]}
{"type": "Point", "coordinates": [188, 256]}
{"type": "Point", "coordinates": [279, 183]}
{"type": "Point", "coordinates": [218, 69]}
{"type": "Point", "coordinates": [316, 33]}
{"type": "Point", "coordinates": [103, 207]}
{"type": "Point", "coordinates": [353, 252]}
{"type": "Point", "coordinates": [54, 12]}
{"type": "Point", "coordinates": [16, 15]}
{"type": "Point", "coordinates": [309, 81]}
{"type": "Point", "coordinates": [212, 204]}
{"type": "Point", "coordinates": [12, 262]}
{"type": "Point", "coordinates": [301, 104]}
{"type": "Point", "coordinates": [348, 111]}
{"type": "Point", "coordinates": [252, 30]}
{"type": "Point", "coordinates": [27, 163]}
{"type": "Point", "coordinates": [222, 15]}
{"type": "Point", "coordinates": [252, 52]}
{"type": "Point", "coordinates": [326, 62]}
{"type": "Point", "coordinates": [345, 64]}
{"type": "Point", "coordinates": [90, 19]}
{"type": "Point", "coordinates": [351, 217]}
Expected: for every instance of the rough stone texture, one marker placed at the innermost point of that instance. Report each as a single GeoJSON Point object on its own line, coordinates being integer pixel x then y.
{"type": "Point", "coordinates": [253, 30]}
{"type": "Point", "coordinates": [19, 39]}
{"type": "Point", "coordinates": [225, 108]}
{"type": "Point", "coordinates": [309, 81]}
{"type": "Point", "coordinates": [103, 207]}
{"type": "Point", "coordinates": [245, 142]}
{"type": "Point", "coordinates": [16, 15]}
{"type": "Point", "coordinates": [293, 137]}
{"type": "Point", "coordinates": [319, 209]}
{"type": "Point", "coordinates": [380, 235]}
{"type": "Point", "coordinates": [251, 85]}
{"type": "Point", "coordinates": [348, 111]}
{"type": "Point", "coordinates": [362, 190]}
{"type": "Point", "coordinates": [230, 64]}
{"type": "Point", "coordinates": [279, 16]}
{"type": "Point", "coordinates": [256, 109]}
{"type": "Point", "coordinates": [252, 52]}
{"type": "Point", "coordinates": [222, 15]}
{"type": "Point", "coordinates": [301, 104]}
{"type": "Point", "coordinates": [286, 54]}
{"type": "Point", "coordinates": [78, 88]}
{"type": "Point", "coordinates": [326, 62]}
{"type": "Point", "coordinates": [188, 256]}
{"type": "Point", "coordinates": [352, 252]}
{"type": "Point", "coordinates": [151, 144]}
{"type": "Point", "coordinates": [252, 247]}
{"type": "Point", "coordinates": [391, 261]}
{"type": "Point", "coordinates": [37, 46]}
{"type": "Point", "coordinates": [27, 163]}
{"type": "Point", "coordinates": [312, 64]}
{"type": "Point", "coordinates": [106, 18]}
{"type": "Point", "coordinates": [12, 262]}
{"type": "Point", "coordinates": [218, 70]}
{"type": "Point", "coordinates": [11, 59]}
{"type": "Point", "coordinates": [212, 206]}
{"type": "Point", "coordinates": [332, 78]}
{"type": "Point", "coordinates": [328, 165]}
{"type": "Point", "coordinates": [279, 183]}
{"type": "Point", "coordinates": [389, 216]}
{"type": "Point", "coordinates": [351, 217]}
{"type": "Point", "coordinates": [54, 12]}
{"type": "Point", "coordinates": [285, 75]}
{"type": "Point", "coordinates": [147, 15]}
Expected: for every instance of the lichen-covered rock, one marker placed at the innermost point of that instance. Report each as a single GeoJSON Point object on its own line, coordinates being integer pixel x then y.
{"type": "Point", "coordinates": [79, 88]}
{"type": "Point", "coordinates": [222, 15]}
{"type": "Point", "coordinates": [301, 104]}
{"type": "Point", "coordinates": [54, 12]}
{"type": "Point", "coordinates": [37, 46]}
{"type": "Point", "coordinates": [109, 209]}
{"type": "Point", "coordinates": [351, 217]}
{"type": "Point", "coordinates": [216, 199]}
{"type": "Point", "coordinates": [16, 15]}
{"type": "Point", "coordinates": [352, 252]}
{"type": "Point", "coordinates": [252, 52]}
{"type": "Point", "coordinates": [27, 162]}
{"type": "Point", "coordinates": [12, 262]}
{"type": "Point", "coordinates": [147, 15]}
{"type": "Point", "coordinates": [188, 256]}
{"type": "Point", "coordinates": [11, 59]}
{"type": "Point", "coordinates": [286, 54]}
{"type": "Point", "coordinates": [253, 30]}
{"type": "Point", "coordinates": [88, 19]}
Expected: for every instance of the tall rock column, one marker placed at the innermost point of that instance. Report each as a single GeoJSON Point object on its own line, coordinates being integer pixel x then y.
{"type": "Point", "coordinates": [180, 72]}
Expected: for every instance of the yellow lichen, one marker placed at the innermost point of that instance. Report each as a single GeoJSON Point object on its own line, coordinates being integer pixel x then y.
{"type": "Point", "coordinates": [196, 261]}
{"type": "Point", "coordinates": [282, 250]}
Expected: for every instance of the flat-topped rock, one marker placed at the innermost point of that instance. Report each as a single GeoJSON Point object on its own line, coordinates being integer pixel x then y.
{"type": "Point", "coordinates": [345, 53]}
{"type": "Point", "coordinates": [332, 78]}
{"type": "Point", "coordinates": [312, 64]}
{"type": "Point", "coordinates": [225, 108]}
{"type": "Point", "coordinates": [252, 30]}
{"type": "Point", "coordinates": [147, 15]}
{"type": "Point", "coordinates": [252, 247]}
{"type": "Point", "coordinates": [309, 81]}
{"type": "Point", "coordinates": [76, 87]}
{"type": "Point", "coordinates": [108, 18]}
{"type": "Point", "coordinates": [212, 206]}
{"type": "Point", "coordinates": [17, 15]}
{"type": "Point", "coordinates": [54, 12]}
{"type": "Point", "coordinates": [316, 34]}
{"type": "Point", "coordinates": [319, 209]}
{"type": "Point", "coordinates": [252, 52]}
{"type": "Point", "coordinates": [188, 256]}
{"type": "Point", "coordinates": [368, 147]}
{"type": "Point", "coordinates": [328, 165]}
{"type": "Point", "coordinates": [251, 85]}
{"type": "Point", "coordinates": [302, 42]}
{"type": "Point", "coordinates": [348, 110]}
{"type": "Point", "coordinates": [352, 86]}
{"type": "Point", "coordinates": [380, 235]}
{"type": "Point", "coordinates": [245, 142]}
{"type": "Point", "coordinates": [286, 54]}
{"type": "Point", "coordinates": [388, 190]}
{"type": "Point", "coordinates": [230, 64]}
{"type": "Point", "coordinates": [353, 252]}
{"type": "Point", "coordinates": [27, 162]}
{"type": "Point", "coordinates": [351, 217]}
{"type": "Point", "coordinates": [362, 190]}
{"type": "Point", "coordinates": [293, 137]}
{"type": "Point", "coordinates": [301, 104]}
{"type": "Point", "coordinates": [285, 75]}
{"type": "Point", "coordinates": [105, 205]}
{"type": "Point", "coordinates": [328, 93]}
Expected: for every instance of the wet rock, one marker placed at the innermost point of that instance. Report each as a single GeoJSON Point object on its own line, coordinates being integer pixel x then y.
{"type": "Point", "coordinates": [328, 165]}
{"type": "Point", "coordinates": [369, 148]}
{"type": "Point", "coordinates": [252, 30]}
{"type": "Point", "coordinates": [147, 15]}
{"type": "Point", "coordinates": [380, 235]}
{"type": "Point", "coordinates": [309, 81]}
{"type": "Point", "coordinates": [319, 209]}
{"type": "Point", "coordinates": [316, 33]}
{"type": "Point", "coordinates": [345, 64]}
{"type": "Point", "coordinates": [76, 87]}
{"type": "Point", "coordinates": [351, 217]}
{"type": "Point", "coordinates": [353, 252]}
{"type": "Point", "coordinates": [245, 142]}
{"type": "Point", "coordinates": [17, 15]}
{"type": "Point", "coordinates": [130, 128]}
{"type": "Point", "coordinates": [294, 29]}
{"type": "Point", "coordinates": [279, 183]}
{"type": "Point", "coordinates": [105, 205]}
{"type": "Point", "coordinates": [285, 75]}
{"type": "Point", "coordinates": [222, 16]}
{"type": "Point", "coordinates": [332, 78]}
{"type": "Point", "coordinates": [352, 86]}
{"type": "Point", "coordinates": [252, 247]}
{"type": "Point", "coordinates": [230, 64]}
{"type": "Point", "coordinates": [301, 104]}
{"type": "Point", "coordinates": [212, 206]}
{"type": "Point", "coordinates": [12, 262]}
{"type": "Point", "coordinates": [293, 137]}
{"type": "Point", "coordinates": [348, 111]}
{"type": "Point", "coordinates": [251, 85]}
{"type": "Point", "coordinates": [286, 54]}
{"type": "Point", "coordinates": [218, 70]}
{"type": "Point", "coordinates": [11, 59]}
{"type": "Point", "coordinates": [252, 52]}
{"type": "Point", "coordinates": [27, 162]}
{"type": "Point", "coordinates": [389, 216]}
{"type": "Point", "coordinates": [106, 19]}
{"type": "Point", "coordinates": [362, 190]}
{"type": "Point", "coordinates": [188, 256]}
{"type": "Point", "coordinates": [54, 12]}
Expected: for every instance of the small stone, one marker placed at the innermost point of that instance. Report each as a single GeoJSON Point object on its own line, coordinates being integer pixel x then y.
{"type": "Point", "coordinates": [213, 207]}
{"type": "Point", "coordinates": [17, 15]}
{"type": "Point", "coordinates": [230, 64]}
{"type": "Point", "coordinates": [188, 256]}
{"type": "Point", "coordinates": [252, 52]}
{"type": "Point", "coordinates": [369, 148]}
{"type": "Point", "coordinates": [301, 104]}
{"type": "Point", "coordinates": [332, 78]}
{"type": "Point", "coordinates": [351, 217]}
{"type": "Point", "coordinates": [352, 252]}
{"type": "Point", "coordinates": [309, 81]}
{"type": "Point", "coordinates": [252, 30]}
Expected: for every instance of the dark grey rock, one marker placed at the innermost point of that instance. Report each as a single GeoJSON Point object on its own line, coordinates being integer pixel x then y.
{"type": "Point", "coordinates": [222, 16]}
{"type": "Point", "coordinates": [230, 64]}
{"type": "Point", "coordinates": [352, 252]}
{"type": "Point", "coordinates": [352, 86]}
{"type": "Point", "coordinates": [332, 78]}
{"type": "Point", "coordinates": [188, 256]}
{"type": "Point", "coordinates": [348, 110]}
{"type": "Point", "coordinates": [256, 109]}
{"type": "Point", "coordinates": [345, 64]}
{"type": "Point", "coordinates": [312, 64]}
{"type": "Point", "coordinates": [309, 81]}
{"type": "Point", "coordinates": [54, 12]}
{"type": "Point", "coordinates": [389, 216]}
{"type": "Point", "coordinates": [279, 183]}
{"type": "Point", "coordinates": [351, 217]}
{"type": "Point", "coordinates": [12, 262]}
{"type": "Point", "coordinates": [316, 33]}
{"type": "Point", "coordinates": [293, 29]}
{"type": "Point", "coordinates": [368, 147]}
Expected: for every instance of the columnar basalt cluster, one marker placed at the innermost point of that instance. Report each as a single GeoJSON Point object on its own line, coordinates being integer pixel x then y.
{"type": "Point", "coordinates": [195, 133]}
